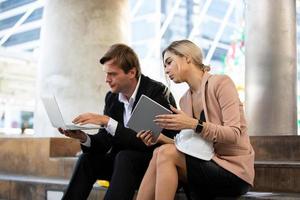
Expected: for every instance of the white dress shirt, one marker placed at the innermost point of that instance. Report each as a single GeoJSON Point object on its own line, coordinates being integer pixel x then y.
{"type": "Point", "coordinates": [113, 124]}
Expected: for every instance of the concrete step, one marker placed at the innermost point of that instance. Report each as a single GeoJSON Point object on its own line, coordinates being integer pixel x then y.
{"type": "Point", "coordinates": [277, 176]}
{"type": "Point", "coordinates": [38, 156]}
{"type": "Point", "coordinates": [270, 196]}
{"type": "Point", "coordinates": [13, 187]}
{"type": "Point", "coordinates": [40, 188]}
{"type": "Point", "coordinates": [276, 148]}
{"type": "Point", "coordinates": [277, 166]}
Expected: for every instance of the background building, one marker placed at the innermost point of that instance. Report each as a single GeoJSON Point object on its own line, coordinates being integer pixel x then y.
{"type": "Point", "coordinates": [216, 25]}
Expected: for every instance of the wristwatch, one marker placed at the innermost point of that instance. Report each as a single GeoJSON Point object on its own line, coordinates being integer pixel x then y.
{"type": "Point", "coordinates": [199, 126]}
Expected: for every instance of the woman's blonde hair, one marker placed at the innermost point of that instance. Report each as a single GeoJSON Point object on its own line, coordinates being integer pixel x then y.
{"type": "Point", "coordinates": [186, 48]}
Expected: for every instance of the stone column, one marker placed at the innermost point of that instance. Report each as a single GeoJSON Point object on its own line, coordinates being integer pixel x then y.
{"type": "Point", "coordinates": [271, 67]}
{"type": "Point", "coordinates": [75, 34]}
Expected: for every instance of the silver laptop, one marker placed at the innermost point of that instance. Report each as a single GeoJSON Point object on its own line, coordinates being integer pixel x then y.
{"type": "Point", "coordinates": [143, 115]}
{"type": "Point", "coordinates": [56, 118]}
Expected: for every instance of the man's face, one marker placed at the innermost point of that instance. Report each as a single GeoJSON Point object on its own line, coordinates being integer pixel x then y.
{"type": "Point", "coordinates": [116, 78]}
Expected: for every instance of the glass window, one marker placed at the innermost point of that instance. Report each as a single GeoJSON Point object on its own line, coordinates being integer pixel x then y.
{"type": "Point", "coordinates": [7, 5]}
{"type": "Point", "coordinates": [9, 22]}
{"type": "Point", "coordinates": [23, 37]}
{"type": "Point", "coordinates": [218, 8]}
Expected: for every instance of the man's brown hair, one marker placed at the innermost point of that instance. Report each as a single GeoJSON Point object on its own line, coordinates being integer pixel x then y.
{"type": "Point", "coordinates": [124, 57]}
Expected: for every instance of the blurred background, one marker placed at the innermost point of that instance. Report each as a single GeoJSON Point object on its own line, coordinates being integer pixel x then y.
{"type": "Point", "coordinates": [218, 26]}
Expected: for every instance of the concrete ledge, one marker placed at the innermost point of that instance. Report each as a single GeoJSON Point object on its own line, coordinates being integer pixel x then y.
{"type": "Point", "coordinates": [277, 164]}
{"type": "Point", "coordinates": [32, 187]}
{"type": "Point", "coordinates": [31, 156]}
{"type": "Point", "coordinates": [277, 176]}
{"type": "Point", "coordinates": [64, 147]}
{"type": "Point", "coordinates": [276, 148]}
{"type": "Point", "coordinates": [271, 196]}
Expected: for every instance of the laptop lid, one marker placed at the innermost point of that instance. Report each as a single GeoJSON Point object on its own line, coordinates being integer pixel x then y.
{"type": "Point", "coordinates": [56, 117]}
{"type": "Point", "coordinates": [53, 111]}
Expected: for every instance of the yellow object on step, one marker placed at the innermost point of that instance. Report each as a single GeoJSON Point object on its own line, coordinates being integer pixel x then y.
{"type": "Point", "coordinates": [103, 183]}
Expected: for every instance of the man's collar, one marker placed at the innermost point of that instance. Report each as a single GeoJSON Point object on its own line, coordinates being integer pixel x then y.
{"type": "Point", "coordinates": [122, 97]}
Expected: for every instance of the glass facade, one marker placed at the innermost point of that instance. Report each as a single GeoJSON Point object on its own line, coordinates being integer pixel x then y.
{"type": "Point", "coordinates": [20, 25]}
{"type": "Point", "coordinates": [215, 25]}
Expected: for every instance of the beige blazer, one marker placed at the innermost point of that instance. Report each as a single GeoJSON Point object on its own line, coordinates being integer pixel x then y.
{"type": "Point", "coordinates": [225, 125]}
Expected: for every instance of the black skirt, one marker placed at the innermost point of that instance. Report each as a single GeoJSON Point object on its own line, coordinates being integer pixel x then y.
{"type": "Point", "coordinates": [207, 180]}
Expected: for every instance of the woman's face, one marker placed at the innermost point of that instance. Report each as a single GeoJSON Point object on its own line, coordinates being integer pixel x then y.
{"type": "Point", "coordinates": [174, 66]}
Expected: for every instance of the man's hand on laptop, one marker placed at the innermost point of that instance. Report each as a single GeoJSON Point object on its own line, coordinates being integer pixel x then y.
{"type": "Point", "coordinates": [91, 118]}
{"type": "Point", "coordinates": [76, 134]}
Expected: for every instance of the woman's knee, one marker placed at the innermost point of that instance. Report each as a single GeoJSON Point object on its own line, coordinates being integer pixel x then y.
{"type": "Point", "coordinates": [167, 153]}
{"type": "Point", "coordinates": [168, 150]}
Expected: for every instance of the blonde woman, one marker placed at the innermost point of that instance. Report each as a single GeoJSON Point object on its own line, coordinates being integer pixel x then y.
{"type": "Point", "coordinates": [211, 109]}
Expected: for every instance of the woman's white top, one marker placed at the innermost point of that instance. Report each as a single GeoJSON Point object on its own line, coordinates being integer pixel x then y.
{"type": "Point", "coordinates": [191, 143]}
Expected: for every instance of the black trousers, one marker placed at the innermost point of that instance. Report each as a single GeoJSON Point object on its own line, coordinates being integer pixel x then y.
{"type": "Point", "coordinates": [125, 172]}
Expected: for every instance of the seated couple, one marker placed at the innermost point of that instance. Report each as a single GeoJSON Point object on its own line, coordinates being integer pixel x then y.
{"type": "Point", "coordinates": [211, 115]}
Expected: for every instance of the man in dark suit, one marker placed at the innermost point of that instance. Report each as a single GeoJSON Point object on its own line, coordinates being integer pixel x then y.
{"type": "Point", "coordinates": [115, 153]}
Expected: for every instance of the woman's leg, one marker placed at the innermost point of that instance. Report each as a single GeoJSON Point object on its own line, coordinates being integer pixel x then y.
{"type": "Point", "coordinates": [147, 187]}
{"type": "Point", "coordinates": [170, 168]}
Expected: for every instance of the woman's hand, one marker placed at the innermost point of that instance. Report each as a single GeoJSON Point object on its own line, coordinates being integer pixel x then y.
{"type": "Point", "coordinates": [91, 118]}
{"type": "Point", "coordinates": [146, 137]}
{"type": "Point", "coordinates": [177, 121]}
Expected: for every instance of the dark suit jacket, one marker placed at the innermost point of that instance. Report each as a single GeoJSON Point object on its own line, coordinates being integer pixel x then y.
{"type": "Point", "coordinates": [125, 138]}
